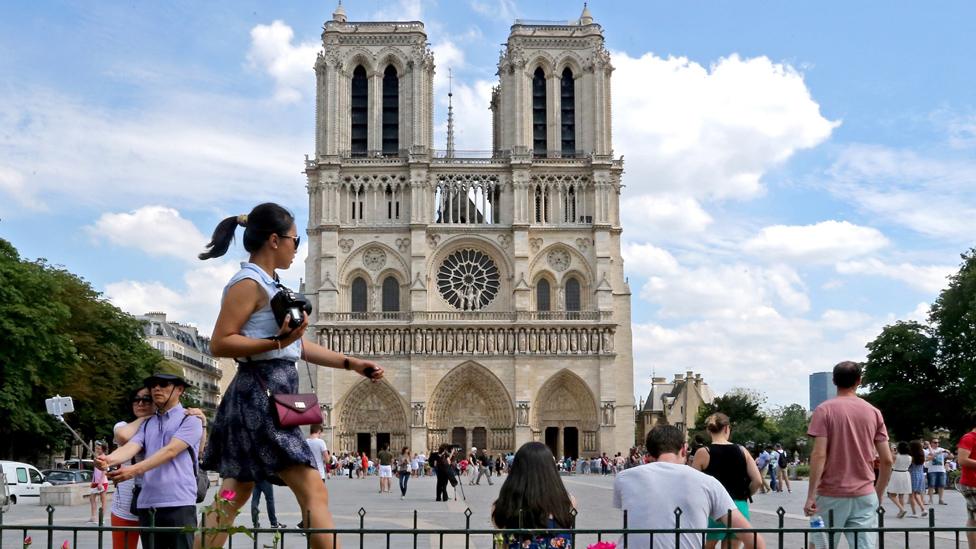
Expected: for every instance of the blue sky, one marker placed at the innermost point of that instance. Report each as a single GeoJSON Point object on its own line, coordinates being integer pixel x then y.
{"type": "Point", "coordinates": [798, 175]}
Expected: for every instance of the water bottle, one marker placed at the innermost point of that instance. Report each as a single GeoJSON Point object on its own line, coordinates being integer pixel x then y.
{"type": "Point", "coordinates": [818, 537]}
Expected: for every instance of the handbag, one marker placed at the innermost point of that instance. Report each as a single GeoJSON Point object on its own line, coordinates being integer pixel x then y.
{"type": "Point", "coordinates": [293, 410]}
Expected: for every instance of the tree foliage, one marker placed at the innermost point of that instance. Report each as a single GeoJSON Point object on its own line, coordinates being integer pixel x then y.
{"type": "Point", "coordinates": [59, 336]}
{"type": "Point", "coordinates": [921, 377]}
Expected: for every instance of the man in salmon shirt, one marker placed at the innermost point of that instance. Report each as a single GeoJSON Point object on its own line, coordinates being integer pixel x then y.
{"type": "Point", "coordinates": [967, 482]}
{"type": "Point", "coordinates": [847, 433]}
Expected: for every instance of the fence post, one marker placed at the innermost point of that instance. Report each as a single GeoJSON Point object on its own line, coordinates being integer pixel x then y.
{"type": "Point", "coordinates": [50, 531]}
{"type": "Point", "coordinates": [677, 526]}
{"type": "Point", "coordinates": [781, 513]}
{"type": "Point", "coordinates": [414, 529]}
{"type": "Point", "coordinates": [881, 514]}
{"type": "Point", "coordinates": [362, 525]}
{"type": "Point", "coordinates": [599, 536]}
{"type": "Point", "coordinates": [101, 524]}
{"type": "Point", "coordinates": [931, 528]}
{"type": "Point", "coordinates": [830, 529]}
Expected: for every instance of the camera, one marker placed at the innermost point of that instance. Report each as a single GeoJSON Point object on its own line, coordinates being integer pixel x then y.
{"type": "Point", "coordinates": [287, 302]}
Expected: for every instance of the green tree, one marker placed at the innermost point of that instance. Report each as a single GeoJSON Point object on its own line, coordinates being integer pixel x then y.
{"type": "Point", "coordinates": [902, 366]}
{"type": "Point", "coordinates": [61, 337]}
{"type": "Point", "coordinates": [953, 320]}
{"type": "Point", "coordinates": [743, 406]}
{"type": "Point", "coordinates": [790, 423]}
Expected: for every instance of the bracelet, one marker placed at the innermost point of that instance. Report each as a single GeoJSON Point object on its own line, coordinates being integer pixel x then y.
{"type": "Point", "coordinates": [345, 363]}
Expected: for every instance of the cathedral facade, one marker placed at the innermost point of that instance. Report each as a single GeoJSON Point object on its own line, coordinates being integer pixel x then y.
{"type": "Point", "coordinates": [488, 284]}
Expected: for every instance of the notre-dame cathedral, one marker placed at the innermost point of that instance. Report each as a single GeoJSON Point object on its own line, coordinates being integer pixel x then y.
{"type": "Point", "coordinates": [490, 284]}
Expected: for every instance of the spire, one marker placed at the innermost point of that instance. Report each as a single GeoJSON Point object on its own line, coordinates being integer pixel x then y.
{"type": "Point", "coordinates": [450, 114]}
{"type": "Point", "coordinates": [339, 15]}
{"type": "Point", "coordinates": [586, 18]}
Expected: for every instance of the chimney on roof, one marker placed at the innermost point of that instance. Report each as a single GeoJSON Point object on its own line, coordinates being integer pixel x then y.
{"type": "Point", "coordinates": [678, 377]}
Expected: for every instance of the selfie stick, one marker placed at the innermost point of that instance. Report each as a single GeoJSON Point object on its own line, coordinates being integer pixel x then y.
{"type": "Point", "coordinates": [57, 407]}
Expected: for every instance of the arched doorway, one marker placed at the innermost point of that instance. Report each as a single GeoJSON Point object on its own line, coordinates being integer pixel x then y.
{"type": "Point", "coordinates": [471, 402]}
{"type": "Point", "coordinates": [565, 409]}
{"type": "Point", "coordinates": [371, 415]}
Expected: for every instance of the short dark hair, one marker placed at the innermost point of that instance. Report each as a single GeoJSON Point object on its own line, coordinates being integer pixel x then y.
{"type": "Point", "coordinates": [316, 428]}
{"type": "Point", "coordinates": [664, 439]}
{"type": "Point", "coordinates": [847, 374]}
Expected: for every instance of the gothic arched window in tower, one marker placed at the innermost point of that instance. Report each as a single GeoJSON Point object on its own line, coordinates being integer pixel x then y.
{"type": "Point", "coordinates": [541, 204]}
{"type": "Point", "coordinates": [359, 298]}
{"type": "Point", "coordinates": [543, 293]}
{"type": "Point", "coordinates": [359, 112]}
{"type": "Point", "coordinates": [392, 195]}
{"type": "Point", "coordinates": [567, 112]}
{"type": "Point", "coordinates": [569, 204]}
{"type": "Point", "coordinates": [468, 279]}
{"type": "Point", "coordinates": [539, 113]}
{"type": "Point", "coordinates": [391, 112]}
{"type": "Point", "coordinates": [573, 301]}
{"type": "Point", "coordinates": [391, 294]}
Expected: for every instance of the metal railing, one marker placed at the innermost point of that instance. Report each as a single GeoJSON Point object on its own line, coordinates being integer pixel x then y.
{"type": "Point", "coordinates": [53, 535]}
{"type": "Point", "coordinates": [488, 316]}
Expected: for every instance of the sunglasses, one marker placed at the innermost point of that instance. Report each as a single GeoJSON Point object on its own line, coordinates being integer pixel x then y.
{"type": "Point", "coordinates": [297, 239]}
{"type": "Point", "coordinates": [163, 384]}
{"type": "Point", "coordinates": [142, 400]}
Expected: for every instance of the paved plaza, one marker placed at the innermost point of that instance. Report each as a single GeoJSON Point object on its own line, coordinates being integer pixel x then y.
{"type": "Point", "coordinates": [593, 493]}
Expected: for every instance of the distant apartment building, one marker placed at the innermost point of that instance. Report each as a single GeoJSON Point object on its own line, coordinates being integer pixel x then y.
{"type": "Point", "coordinates": [184, 347]}
{"type": "Point", "coordinates": [821, 388]}
{"type": "Point", "coordinates": [674, 402]}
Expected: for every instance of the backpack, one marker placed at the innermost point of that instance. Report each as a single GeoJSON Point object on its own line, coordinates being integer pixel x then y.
{"type": "Point", "coordinates": [782, 462]}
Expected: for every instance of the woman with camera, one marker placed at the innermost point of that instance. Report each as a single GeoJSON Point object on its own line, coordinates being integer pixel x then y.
{"type": "Point", "coordinates": [259, 326]}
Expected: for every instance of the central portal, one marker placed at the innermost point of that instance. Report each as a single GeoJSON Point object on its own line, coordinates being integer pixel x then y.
{"type": "Point", "coordinates": [470, 407]}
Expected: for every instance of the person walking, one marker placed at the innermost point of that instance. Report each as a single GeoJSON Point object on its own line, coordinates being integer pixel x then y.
{"type": "Point", "coordinates": [533, 496]}
{"type": "Point", "coordinates": [900, 483]}
{"type": "Point", "coordinates": [320, 452]}
{"type": "Point", "coordinates": [385, 459]}
{"type": "Point", "coordinates": [967, 480]}
{"type": "Point", "coordinates": [99, 487]}
{"type": "Point", "coordinates": [264, 487]}
{"type": "Point", "coordinates": [404, 465]}
{"type": "Point", "coordinates": [782, 468]}
{"type": "Point", "coordinates": [762, 463]}
{"type": "Point", "coordinates": [440, 462]}
{"type": "Point", "coordinates": [483, 469]}
{"type": "Point", "coordinates": [937, 458]}
{"type": "Point", "coordinates": [917, 472]}
{"type": "Point", "coordinates": [841, 473]}
{"type": "Point", "coordinates": [731, 465]}
{"type": "Point", "coordinates": [170, 440]}
{"type": "Point", "coordinates": [247, 445]}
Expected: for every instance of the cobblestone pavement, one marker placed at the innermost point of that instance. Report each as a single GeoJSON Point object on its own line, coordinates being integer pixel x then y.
{"type": "Point", "coordinates": [594, 495]}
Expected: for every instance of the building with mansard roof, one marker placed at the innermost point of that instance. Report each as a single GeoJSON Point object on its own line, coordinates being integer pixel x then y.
{"type": "Point", "coordinates": [490, 285]}
{"type": "Point", "coordinates": [183, 346]}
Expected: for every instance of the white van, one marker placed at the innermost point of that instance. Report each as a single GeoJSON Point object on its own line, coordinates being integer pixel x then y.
{"type": "Point", "coordinates": [23, 481]}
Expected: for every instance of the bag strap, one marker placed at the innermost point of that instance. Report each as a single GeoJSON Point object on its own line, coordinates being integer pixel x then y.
{"type": "Point", "coordinates": [189, 448]}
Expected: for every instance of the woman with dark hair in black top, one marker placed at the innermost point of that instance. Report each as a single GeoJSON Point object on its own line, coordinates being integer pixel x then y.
{"type": "Point", "coordinates": [732, 465]}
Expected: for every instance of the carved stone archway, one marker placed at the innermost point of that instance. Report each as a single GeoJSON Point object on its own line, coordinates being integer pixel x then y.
{"type": "Point", "coordinates": [374, 409]}
{"type": "Point", "coordinates": [471, 398]}
{"type": "Point", "coordinates": [566, 407]}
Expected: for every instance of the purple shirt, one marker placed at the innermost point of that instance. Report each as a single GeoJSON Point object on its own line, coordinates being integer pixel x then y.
{"type": "Point", "coordinates": [172, 484]}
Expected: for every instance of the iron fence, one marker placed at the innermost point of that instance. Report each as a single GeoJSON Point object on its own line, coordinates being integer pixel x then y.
{"type": "Point", "coordinates": [52, 535]}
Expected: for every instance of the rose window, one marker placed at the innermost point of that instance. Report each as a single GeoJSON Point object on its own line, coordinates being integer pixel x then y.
{"type": "Point", "coordinates": [468, 279]}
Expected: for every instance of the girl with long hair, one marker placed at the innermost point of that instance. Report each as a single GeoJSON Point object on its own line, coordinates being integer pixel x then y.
{"type": "Point", "coordinates": [917, 472]}
{"type": "Point", "coordinates": [246, 444]}
{"type": "Point", "coordinates": [403, 464]}
{"type": "Point", "coordinates": [533, 496]}
{"type": "Point", "coordinates": [900, 483]}
{"type": "Point", "coordinates": [731, 465]}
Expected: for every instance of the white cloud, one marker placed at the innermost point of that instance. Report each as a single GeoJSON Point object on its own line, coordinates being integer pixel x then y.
{"type": "Point", "coordinates": [824, 242]}
{"type": "Point", "coordinates": [663, 216]}
{"type": "Point", "coordinates": [710, 132]}
{"type": "Point", "coordinates": [733, 291]}
{"type": "Point", "coordinates": [647, 259]}
{"type": "Point", "coordinates": [290, 65]}
{"type": "Point", "coordinates": [198, 152]}
{"type": "Point", "coordinates": [155, 230]}
{"type": "Point", "coordinates": [472, 119]}
{"type": "Point", "coordinates": [12, 184]}
{"type": "Point", "coordinates": [926, 278]}
{"type": "Point", "coordinates": [502, 10]}
{"type": "Point", "coordinates": [932, 196]}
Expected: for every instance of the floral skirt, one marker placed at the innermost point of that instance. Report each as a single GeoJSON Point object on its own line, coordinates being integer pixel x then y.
{"type": "Point", "coordinates": [245, 443]}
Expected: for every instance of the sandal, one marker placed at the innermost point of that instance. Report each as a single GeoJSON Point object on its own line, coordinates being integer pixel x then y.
{"type": "Point", "coordinates": [902, 514]}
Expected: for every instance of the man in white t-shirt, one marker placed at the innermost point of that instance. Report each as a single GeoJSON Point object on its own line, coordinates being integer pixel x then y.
{"type": "Point", "coordinates": [651, 492]}
{"type": "Point", "coordinates": [936, 459]}
{"type": "Point", "coordinates": [319, 451]}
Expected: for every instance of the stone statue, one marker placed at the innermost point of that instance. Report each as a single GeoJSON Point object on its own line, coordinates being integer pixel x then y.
{"type": "Point", "coordinates": [607, 341]}
{"type": "Point", "coordinates": [563, 342]}
{"type": "Point", "coordinates": [481, 341]}
{"type": "Point", "coordinates": [523, 413]}
{"type": "Point", "coordinates": [521, 341]}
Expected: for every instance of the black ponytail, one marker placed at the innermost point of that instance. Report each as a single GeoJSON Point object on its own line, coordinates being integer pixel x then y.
{"type": "Point", "coordinates": [263, 221]}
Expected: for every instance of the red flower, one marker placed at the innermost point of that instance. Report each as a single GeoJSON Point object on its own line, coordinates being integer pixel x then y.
{"type": "Point", "coordinates": [28, 541]}
{"type": "Point", "coordinates": [603, 545]}
{"type": "Point", "coordinates": [228, 495]}
{"type": "Point", "coordinates": [65, 545]}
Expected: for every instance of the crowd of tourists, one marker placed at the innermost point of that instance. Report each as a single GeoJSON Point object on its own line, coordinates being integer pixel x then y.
{"type": "Point", "coordinates": [256, 441]}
